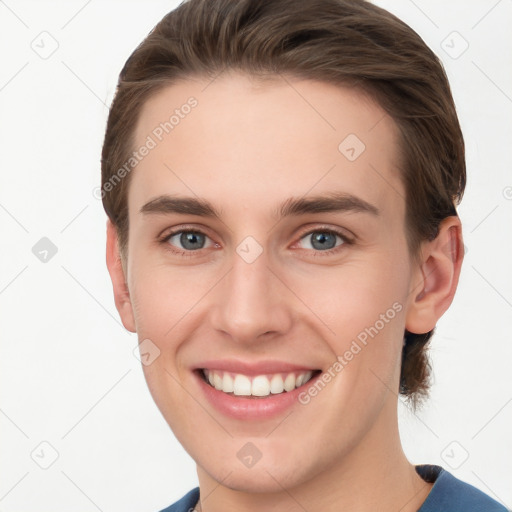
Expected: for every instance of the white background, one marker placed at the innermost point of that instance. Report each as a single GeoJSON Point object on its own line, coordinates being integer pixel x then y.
{"type": "Point", "coordinates": [68, 374]}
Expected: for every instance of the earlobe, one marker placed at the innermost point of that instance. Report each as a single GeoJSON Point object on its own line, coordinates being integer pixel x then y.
{"type": "Point", "coordinates": [433, 292]}
{"type": "Point", "coordinates": [117, 275]}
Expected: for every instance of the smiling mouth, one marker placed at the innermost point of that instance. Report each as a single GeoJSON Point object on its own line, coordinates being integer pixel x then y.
{"type": "Point", "coordinates": [258, 386]}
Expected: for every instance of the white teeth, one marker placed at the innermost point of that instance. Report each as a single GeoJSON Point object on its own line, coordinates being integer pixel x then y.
{"type": "Point", "coordinates": [276, 384]}
{"type": "Point", "coordinates": [241, 385]}
{"type": "Point", "coordinates": [260, 385]}
{"type": "Point", "coordinates": [217, 381]}
{"type": "Point", "coordinates": [227, 383]}
{"type": "Point", "coordinates": [289, 382]}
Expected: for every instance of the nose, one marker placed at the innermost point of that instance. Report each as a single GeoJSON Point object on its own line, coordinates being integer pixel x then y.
{"type": "Point", "coordinates": [251, 301]}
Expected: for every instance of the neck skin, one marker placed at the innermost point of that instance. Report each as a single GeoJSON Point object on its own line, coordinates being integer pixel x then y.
{"type": "Point", "coordinates": [375, 475]}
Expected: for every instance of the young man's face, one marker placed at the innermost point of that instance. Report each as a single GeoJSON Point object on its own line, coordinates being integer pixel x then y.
{"type": "Point", "coordinates": [255, 293]}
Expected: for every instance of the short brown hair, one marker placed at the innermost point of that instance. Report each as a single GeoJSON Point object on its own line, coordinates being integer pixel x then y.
{"type": "Point", "coordinates": [343, 42]}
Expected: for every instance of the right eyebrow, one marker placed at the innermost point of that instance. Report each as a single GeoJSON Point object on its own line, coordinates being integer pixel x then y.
{"type": "Point", "coordinates": [332, 202]}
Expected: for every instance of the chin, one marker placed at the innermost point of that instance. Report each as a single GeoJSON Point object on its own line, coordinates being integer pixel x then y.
{"type": "Point", "coordinates": [262, 478]}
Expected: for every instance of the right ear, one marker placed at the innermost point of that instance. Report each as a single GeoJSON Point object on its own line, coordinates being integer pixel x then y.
{"type": "Point", "coordinates": [117, 275]}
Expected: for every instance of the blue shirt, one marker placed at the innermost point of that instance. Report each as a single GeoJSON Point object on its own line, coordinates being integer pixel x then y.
{"type": "Point", "coordinates": [448, 494]}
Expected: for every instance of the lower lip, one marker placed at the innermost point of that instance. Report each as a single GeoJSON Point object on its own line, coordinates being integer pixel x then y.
{"type": "Point", "coordinates": [243, 408]}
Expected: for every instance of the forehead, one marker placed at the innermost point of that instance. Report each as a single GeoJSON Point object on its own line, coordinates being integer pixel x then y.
{"type": "Point", "coordinates": [235, 138]}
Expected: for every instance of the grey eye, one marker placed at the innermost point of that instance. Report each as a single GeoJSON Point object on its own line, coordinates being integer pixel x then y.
{"type": "Point", "coordinates": [321, 240]}
{"type": "Point", "coordinates": [189, 240]}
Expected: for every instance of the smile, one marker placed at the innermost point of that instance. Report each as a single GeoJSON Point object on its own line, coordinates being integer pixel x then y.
{"type": "Point", "coordinates": [237, 384]}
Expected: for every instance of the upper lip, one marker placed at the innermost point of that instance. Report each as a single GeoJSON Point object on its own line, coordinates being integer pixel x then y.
{"type": "Point", "coordinates": [252, 368]}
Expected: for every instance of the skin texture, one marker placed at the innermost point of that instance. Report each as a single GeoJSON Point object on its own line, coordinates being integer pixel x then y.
{"type": "Point", "coordinates": [247, 147]}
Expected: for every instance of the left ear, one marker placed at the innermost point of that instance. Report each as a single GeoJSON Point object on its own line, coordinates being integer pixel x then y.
{"type": "Point", "coordinates": [437, 278]}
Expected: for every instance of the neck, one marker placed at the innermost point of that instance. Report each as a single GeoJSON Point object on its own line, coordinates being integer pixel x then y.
{"type": "Point", "coordinates": [374, 475]}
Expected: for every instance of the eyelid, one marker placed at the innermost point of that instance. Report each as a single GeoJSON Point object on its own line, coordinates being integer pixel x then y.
{"type": "Point", "coordinates": [337, 250]}
{"type": "Point", "coordinates": [342, 233]}
{"type": "Point", "coordinates": [183, 227]}
{"type": "Point", "coordinates": [165, 235]}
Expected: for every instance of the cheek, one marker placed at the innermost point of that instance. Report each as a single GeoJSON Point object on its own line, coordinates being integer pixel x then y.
{"type": "Point", "coordinates": [352, 297]}
{"type": "Point", "coordinates": [166, 388]}
{"type": "Point", "coordinates": [164, 301]}
{"type": "Point", "coordinates": [360, 309]}
{"type": "Point", "coordinates": [163, 296]}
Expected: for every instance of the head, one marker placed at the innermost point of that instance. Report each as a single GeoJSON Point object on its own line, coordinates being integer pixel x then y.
{"type": "Point", "coordinates": [248, 115]}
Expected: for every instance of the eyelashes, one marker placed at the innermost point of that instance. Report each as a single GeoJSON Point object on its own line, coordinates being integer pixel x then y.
{"type": "Point", "coordinates": [332, 235]}
{"type": "Point", "coordinates": [189, 236]}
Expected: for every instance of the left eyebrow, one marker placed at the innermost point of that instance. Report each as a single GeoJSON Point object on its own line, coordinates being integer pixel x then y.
{"type": "Point", "coordinates": [334, 202]}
